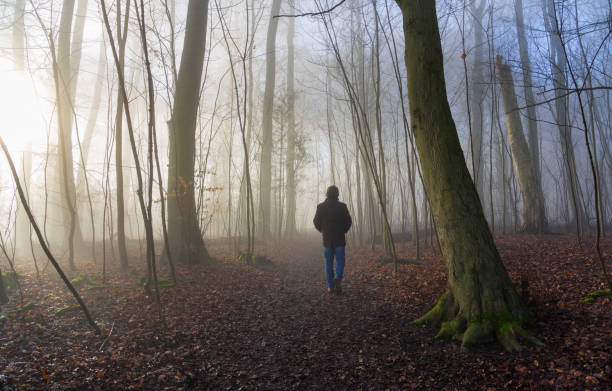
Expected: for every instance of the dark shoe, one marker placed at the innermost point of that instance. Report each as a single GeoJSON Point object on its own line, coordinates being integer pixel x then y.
{"type": "Point", "coordinates": [337, 286]}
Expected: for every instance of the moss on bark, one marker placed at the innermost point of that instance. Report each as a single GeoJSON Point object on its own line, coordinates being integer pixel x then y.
{"type": "Point", "coordinates": [480, 302]}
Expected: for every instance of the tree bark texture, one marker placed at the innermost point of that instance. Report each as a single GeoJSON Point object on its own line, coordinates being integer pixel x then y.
{"type": "Point", "coordinates": [65, 113]}
{"type": "Point", "coordinates": [558, 70]}
{"type": "Point", "coordinates": [184, 236]}
{"type": "Point", "coordinates": [480, 303]}
{"type": "Point", "coordinates": [477, 87]}
{"type": "Point", "coordinates": [532, 119]}
{"type": "Point", "coordinates": [534, 212]}
{"type": "Point", "coordinates": [265, 167]}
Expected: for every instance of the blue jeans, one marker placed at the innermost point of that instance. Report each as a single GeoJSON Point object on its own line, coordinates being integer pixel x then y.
{"type": "Point", "coordinates": [338, 252]}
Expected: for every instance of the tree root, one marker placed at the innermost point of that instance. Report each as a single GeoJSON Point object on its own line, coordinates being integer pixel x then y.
{"type": "Point", "coordinates": [446, 308]}
{"type": "Point", "coordinates": [501, 326]}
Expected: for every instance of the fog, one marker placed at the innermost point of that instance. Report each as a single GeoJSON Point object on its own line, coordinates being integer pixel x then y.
{"type": "Point", "coordinates": [349, 71]}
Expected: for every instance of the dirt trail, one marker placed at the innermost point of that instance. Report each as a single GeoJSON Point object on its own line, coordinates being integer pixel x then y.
{"type": "Point", "coordinates": [230, 326]}
{"type": "Point", "coordinates": [308, 337]}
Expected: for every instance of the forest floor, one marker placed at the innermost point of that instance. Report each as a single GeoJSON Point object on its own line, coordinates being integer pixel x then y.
{"type": "Point", "coordinates": [227, 325]}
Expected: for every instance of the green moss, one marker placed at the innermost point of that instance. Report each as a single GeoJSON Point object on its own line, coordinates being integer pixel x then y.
{"type": "Point", "coordinates": [254, 259]}
{"type": "Point", "coordinates": [78, 280]}
{"type": "Point", "coordinates": [96, 287]}
{"type": "Point", "coordinates": [453, 329]}
{"type": "Point", "coordinates": [434, 315]}
{"type": "Point", "coordinates": [477, 333]}
{"type": "Point", "coordinates": [162, 283]}
{"type": "Point", "coordinates": [592, 296]}
{"type": "Point", "coordinates": [85, 281]}
{"type": "Point", "coordinates": [165, 283]}
{"type": "Point", "coordinates": [18, 309]}
{"type": "Point", "coordinates": [67, 310]}
{"type": "Point", "coordinates": [447, 330]}
{"type": "Point", "coordinates": [503, 324]}
{"type": "Point", "coordinates": [9, 278]}
{"type": "Point", "coordinates": [501, 318]}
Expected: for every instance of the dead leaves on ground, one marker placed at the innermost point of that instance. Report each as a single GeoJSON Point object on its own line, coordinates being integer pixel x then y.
{"type": "Point", "coordinates": [233, 326]}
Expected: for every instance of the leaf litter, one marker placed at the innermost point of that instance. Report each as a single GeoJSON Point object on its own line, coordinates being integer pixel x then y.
{"type": "Point", "coordinates": [231, 326]}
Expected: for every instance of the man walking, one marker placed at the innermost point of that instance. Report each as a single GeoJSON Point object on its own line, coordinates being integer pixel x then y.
{"type": "Point", "coordinates": [333, 221]}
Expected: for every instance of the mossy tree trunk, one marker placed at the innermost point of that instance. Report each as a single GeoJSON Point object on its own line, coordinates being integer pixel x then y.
{"type": "Point", "coordinates": [534, 215]}
{"type": "Point", "coordinates": [185, 239]}
{"type": "Point", "coordinates": [481, 303]}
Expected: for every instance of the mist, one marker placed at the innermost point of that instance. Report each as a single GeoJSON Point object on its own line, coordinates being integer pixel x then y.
{"type": "Point", "coordinates": [151, 137]}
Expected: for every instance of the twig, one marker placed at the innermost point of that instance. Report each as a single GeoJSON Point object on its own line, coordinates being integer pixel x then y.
{"type": "Point", "coordinates": [327, 11]}
{"type": "Point", "coordinates": [41, 240]}
{"type": "Point", "coordinates": [107, 338]}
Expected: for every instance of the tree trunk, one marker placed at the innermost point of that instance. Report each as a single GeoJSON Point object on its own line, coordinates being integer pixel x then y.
{"type": "Point", "coordinates": [3, 296]}
{"type": "Point", "coordinates": [185, 240]}
{"type": "Point", "coordinates": [65, 106]}
{"type": "Point", "coordinates": [76, 46]}
{"type": "Point", "coordinates": [415, 214]}
{"type": "Point", "coordinates": [558, 67]}
{"type": "Point", "coordinates": [92, 117]}
{"type": "Point", "coordinates": [265, 168]}
{"type": "Point", "coordinates": [19, 35]}
{"type": "Point", "coordinates": [360, 220]}
{"type": "Point", "coordinates": [480, 303]}
{"type": "Point", "coordinates": [291, 186]}
{"type": "Point", "coordinates": [532, 119]}
{"type": "Point", "coordinates": [122, 32]}
{"type": "Point", "coordinates": [534, 215]}
{"type": "Point", "coordinates": [22, 227]}
{"type": "Point", "coordinates": [382, 170]}
{"type": "Point", "coordinates": [477, 87]}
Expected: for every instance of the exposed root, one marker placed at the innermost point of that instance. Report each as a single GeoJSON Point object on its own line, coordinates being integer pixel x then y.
{"type": "Point", "coordinates": [478, 333]}
{"type": "Point", "coordinates": [444, 310]}
{"type": "Point", "coordinates": [502, 326]}
{"type": "Point", "coordinates": [453, 329]}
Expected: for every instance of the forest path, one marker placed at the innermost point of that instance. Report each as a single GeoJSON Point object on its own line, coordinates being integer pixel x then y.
{"type": "Point", "coordinates": [307, 337]}
{"type": "Point", "coordinates": [231, 326]}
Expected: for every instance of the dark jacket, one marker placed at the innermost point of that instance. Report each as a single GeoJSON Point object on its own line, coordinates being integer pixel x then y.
{"type": "Point", "coordinates": [333, 221]}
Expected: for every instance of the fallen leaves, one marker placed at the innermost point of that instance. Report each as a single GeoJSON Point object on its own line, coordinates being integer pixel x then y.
{"type": "Point", "coordinates": [234, 326]}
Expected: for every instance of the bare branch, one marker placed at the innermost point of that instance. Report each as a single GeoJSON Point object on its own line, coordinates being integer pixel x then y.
{"type": "Point", "coordinates": [327, 11]}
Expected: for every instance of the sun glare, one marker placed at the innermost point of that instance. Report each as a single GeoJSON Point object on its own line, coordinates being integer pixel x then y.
{"type": "Point", "coordinates": [21, 108]}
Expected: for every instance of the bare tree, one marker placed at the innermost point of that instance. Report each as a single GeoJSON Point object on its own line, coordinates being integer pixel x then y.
{"type": "Point", "coordinates": [265, 167]}
{"type": "Point", "coordinates": [43, 244]}
{"type": "Point", "coordinates": [122, 34]}
{"type": "Point", "coordinates": [532, 119]}
{"type": "Point", "coordinates": [291, 136]}
{"type": "Point", "coordinates": [184, 236]}
{"type": "Point", "coordinates": [534, 215]}
{"type": "Point", "coordinates": [480, 302]}
{"type": "Point", "coordinates": [558, 64]}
